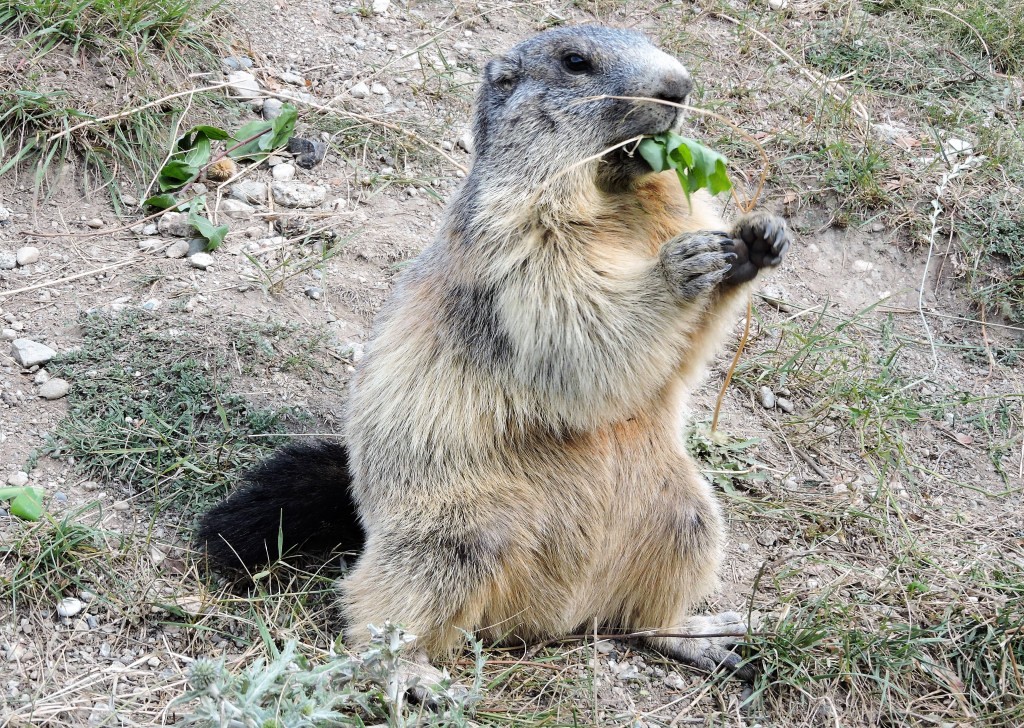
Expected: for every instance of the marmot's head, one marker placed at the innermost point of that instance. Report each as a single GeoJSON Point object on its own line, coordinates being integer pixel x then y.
{"type": "Point", "coordinates": [544, 106]}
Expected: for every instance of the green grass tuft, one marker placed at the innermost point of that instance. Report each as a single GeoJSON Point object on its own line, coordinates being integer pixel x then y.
{"type": "Point", "coordinates": [151, 409]}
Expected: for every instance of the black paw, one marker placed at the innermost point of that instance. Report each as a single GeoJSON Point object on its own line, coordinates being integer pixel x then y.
{"type": "Point", "coordinates": [759, 240]}
{"type": "Point", "coordinates": [695, 263]}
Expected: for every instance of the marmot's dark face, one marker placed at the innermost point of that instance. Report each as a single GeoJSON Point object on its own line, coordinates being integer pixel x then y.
{"type": "Point", "coordinates": [559, 98]}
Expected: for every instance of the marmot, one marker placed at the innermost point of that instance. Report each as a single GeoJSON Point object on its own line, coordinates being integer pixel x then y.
{"type": "Point", "coordinates": [514, 440]}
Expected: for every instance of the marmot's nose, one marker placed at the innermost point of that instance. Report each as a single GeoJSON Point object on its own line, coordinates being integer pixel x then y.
{"type": "Point", "coordinates": [674, 86]}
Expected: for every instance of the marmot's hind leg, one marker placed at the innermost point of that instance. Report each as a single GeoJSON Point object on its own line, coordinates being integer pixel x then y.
{"type": "Point", "coordinates": [674, 567]}
{"type": "Point", "coordinates": [433, 582]}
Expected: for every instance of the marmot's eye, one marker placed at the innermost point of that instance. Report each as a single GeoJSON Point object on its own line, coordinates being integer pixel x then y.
{"type": "Point", "coordinates": [575, 63]}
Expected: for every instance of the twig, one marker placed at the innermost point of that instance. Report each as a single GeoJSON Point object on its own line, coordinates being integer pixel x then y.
{"type": "Point", "coordinates": [56, 281]}
{"type": "Point", "coordinates": [130, 112]}
{"type": "Point", "coordinates": [836, 91]}
{"type": "Point", "coordinates": [988, 53]}
{"type": "Point", "coordinates": [810, 461]}
{"type": "Point", "coordinates": [369, 120]}
{"type": "Point", "coordinates": [732, 366]}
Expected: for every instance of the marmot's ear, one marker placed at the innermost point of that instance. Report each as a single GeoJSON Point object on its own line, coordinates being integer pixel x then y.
{"type": "Point", "coordinates": [503, 74]}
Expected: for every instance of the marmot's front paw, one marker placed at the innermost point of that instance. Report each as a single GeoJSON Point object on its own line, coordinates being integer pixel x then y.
{"type": "Point", "coordinates": [695, 263]}
{"type": "Point", "coordinates": [759, 240]}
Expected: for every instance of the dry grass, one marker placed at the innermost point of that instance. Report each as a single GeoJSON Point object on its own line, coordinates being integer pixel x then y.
{"type": "Point", "coordinates": [875, 531]}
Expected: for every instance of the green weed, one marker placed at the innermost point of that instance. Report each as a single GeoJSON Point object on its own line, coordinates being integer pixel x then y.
{"type": "Point", "coordinates": [151, 410]}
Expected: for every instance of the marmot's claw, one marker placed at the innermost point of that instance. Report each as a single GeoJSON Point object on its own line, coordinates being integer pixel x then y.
{"type": "Point", "coordinates": [695, 263]}
{"type": "Point", "coordinates": [760, 240]}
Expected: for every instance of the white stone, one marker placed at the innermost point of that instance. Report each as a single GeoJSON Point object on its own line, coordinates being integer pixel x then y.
{"type": "Point", "coordinates": [359, 91]}
{"type": "Point", "coordinates": [235, 209]}
{"type": "Point", "coordinates": [202, 261]}
{"type": "Point", "coordinates": [96, 223]}
{"type": "Point", "coordinates": [297, 194]}
{"type": "Point", "coordinates": [675, 681]}
{"type": "Point", "coordinates": [54, 389]}
{"type": "Point", "coordinates": [18, 479]}
{"type": "Point", "coordinates": [178, 249]}
{"type": "Point", "coordinates": [380, 7]}
{"type": "Point", "coordinates": [27, 255]}
{"type": "Point", "coordinates": [8, 260]}
{"type": "Point", "coordinates": [283, 172]}
{"type": "Point", "coordinates": [69, 607]}
{"type": "Point", "coordinates": [293, 78]}
{"type": "Point", "coordinates": [250, 192]}
{"type": "Point", "coordinates": [28, 353]}
{"type": "Point", "coordinates": [466, 141]}
{"type": "Point", "coordinates": [5, 214]}
{"type": "Point", "coordinates": [150, 229]}
{"type": "Point", "coordinates": [272, 108]}
{"type": "Point", "coordinates": [175, 223]}
{"type": "Point", "coordinates": [243, 85]}
{"type": "Point", "coordinates": [767, 398]}
{"type": "Point", "coordinates": [863, 266]}
{"type": "Point", "coordinates": [379, 89]}
{"type": "Point", "coordinates": [778, 4]}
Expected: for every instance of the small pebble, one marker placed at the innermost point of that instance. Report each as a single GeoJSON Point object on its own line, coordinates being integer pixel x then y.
{"type": "Point", "coordinates": [54, 389]}
{"type": "Point", "coordinates": [675, 681]}
{"type": "Point", "coordinates": [767, 398]}
{"type": "Point", "coordinates": [315, 293]}
{"type": "Point", "coordinates": [150, 229]}
{"type": "Point", "coordinates": [178, 249]}
{"type": "Point", "coordinates": [785, 405]}
{"type": "Point", "coordinates": [28, 353]}
{"type": "Point", "coordinates": [18, 479]}
{"type": "Point", "coordinates": [379, 89]}
{"type": "Point", "coordinates": [120, 505]}
{"type": "Point", "coordinates": [69, 607]}
{"type": "Point", "coordinates": [283, 172]}
{"type": "Point", "coordinates": [95, 223]}
{"type": "Point", "coordinates": [202, 261]}
{"type": "Point", "coordinates": [272, 108]}
{"type": "Point", "coordinates": [359, 91]}
{"type": "Point", "coordinates": [27, 255]}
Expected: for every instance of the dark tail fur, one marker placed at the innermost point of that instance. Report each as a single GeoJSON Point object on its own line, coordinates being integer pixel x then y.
{"type": "Point", "coordinates": [300, 494]}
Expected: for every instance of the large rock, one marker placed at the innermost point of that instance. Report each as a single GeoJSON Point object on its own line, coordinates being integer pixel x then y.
{"type": "Point", "coordinates": [28, 353]}
{"type": "Point", "coordinates": [297, 194]}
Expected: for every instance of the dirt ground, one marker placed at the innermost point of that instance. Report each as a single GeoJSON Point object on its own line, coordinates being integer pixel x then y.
{"type": "Point", "coordinates": [796, 535]}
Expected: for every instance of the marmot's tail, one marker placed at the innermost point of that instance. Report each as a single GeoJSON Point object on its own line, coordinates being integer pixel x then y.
{"type": "Point", "coordinates": [298, 498]}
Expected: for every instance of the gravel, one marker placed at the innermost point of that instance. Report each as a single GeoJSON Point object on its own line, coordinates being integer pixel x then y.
{"type": "Point", "coordinates": [178, 249]}
{"type": "Point", "coordinates": [243, 85]}
{"type": "Point", "coordinates": [69, 607]}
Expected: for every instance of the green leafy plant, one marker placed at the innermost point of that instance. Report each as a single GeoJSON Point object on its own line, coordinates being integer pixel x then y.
{"type": "Point", "coordinates": [696, 165]}
{"type": "Point", "coordinates": [26, 502]}
{"type": "Point", "coordinates": [193, 154]}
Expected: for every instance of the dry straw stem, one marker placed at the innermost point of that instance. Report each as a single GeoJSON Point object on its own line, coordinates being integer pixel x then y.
{"type": "Point", "coordinates": [327, 109]}
{"type": "Point", "coordinates": [130, 112]}
{"type": "Point", "coordinates": [830, 86]}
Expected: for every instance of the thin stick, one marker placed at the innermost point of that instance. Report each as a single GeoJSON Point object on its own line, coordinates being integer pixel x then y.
{"type": "Point", "coordinates": [988, 53]}
{"type": "Point", "coordinates": [856, 106]}
{"type": "Point", "coordinates": [369, 120]}
{"type": "Point", "coordinates": [56, 281]}
{"type": "Point", "coordinates": [130, 112]}
{"type": "Point", "coordinates": [732, 367]}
